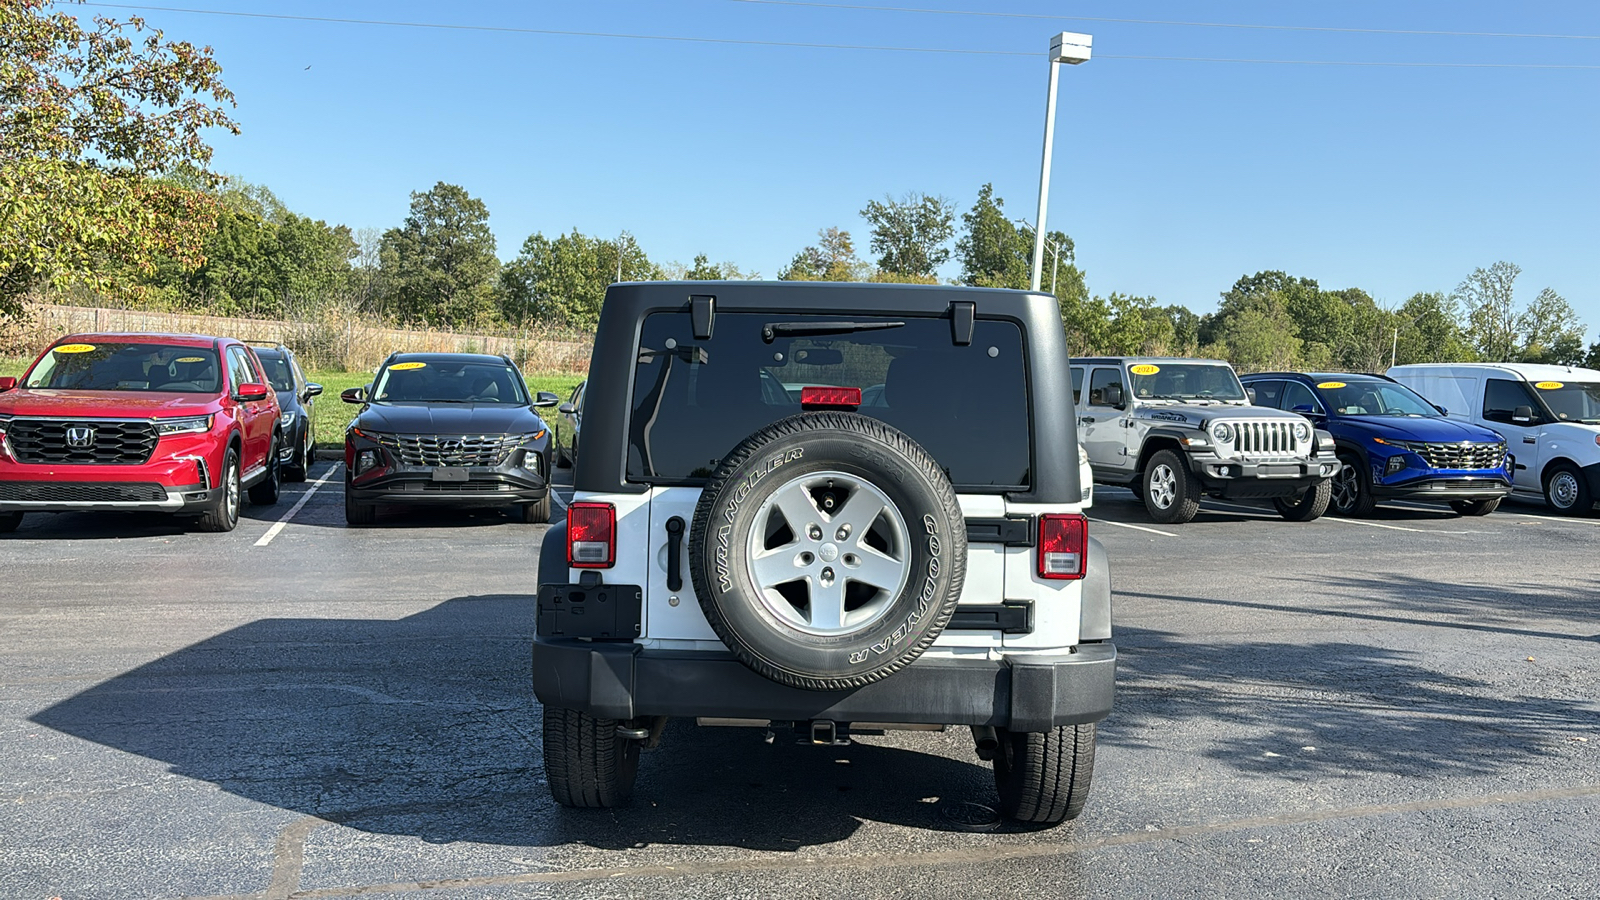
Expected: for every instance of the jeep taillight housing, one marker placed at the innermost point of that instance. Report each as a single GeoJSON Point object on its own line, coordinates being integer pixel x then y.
{"type": "Point", "coordinates": [1063, 546]}
{"type": "Point", "coordinates": [591, 535]}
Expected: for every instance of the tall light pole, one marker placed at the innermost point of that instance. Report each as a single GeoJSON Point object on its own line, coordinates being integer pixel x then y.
{"type": "Point", "coordinates": [1071, 48]}
{"type": "Point", "coordinates": [1055, 254]}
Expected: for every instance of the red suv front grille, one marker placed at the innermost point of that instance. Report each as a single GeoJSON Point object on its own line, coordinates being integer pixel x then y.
{"type": "Point", "coordinates": [87, 442]}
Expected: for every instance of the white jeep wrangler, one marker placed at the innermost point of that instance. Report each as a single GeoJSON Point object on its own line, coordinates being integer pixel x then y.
{"type": "Point", "coordinates": [832, 506]}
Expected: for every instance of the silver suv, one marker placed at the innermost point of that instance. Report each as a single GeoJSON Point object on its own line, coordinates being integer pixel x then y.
{"type": "Point", "coordinates": [831, 508]}
{"type": "Point", "coordinates": [1173, 430]}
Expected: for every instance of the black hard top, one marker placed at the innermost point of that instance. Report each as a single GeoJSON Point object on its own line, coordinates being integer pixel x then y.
{"type": "Point", "coordinates": [606, 401]}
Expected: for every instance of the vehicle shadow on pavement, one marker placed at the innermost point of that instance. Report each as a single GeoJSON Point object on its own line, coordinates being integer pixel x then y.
{"type": "Point", "coordinates": [1333, 709]}
{"type": "Point", "coordinates": [427, 726]}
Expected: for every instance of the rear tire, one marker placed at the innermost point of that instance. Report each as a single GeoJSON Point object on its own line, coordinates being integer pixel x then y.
{"type": "Point", "coordinates": [1566, 491]}
{"type": "Point", "coordinates": [1475, 507]}
{"type": "Point", "coordinates": [356, 512]}
{"type": "Point", "coordinates": [1170, 491]}
{"type": "Point", "coordinates": [1310, 505]}
{"type": "Point", "coordinates": [586, 763]}
{"type": "Point", "coordinates": [224, 513]}
{"type": "Point", "coordinates": [265, 491]}
{"type": "Point", "coordinates": [9, 522]}
{"type": "Point", "coordinates": [1044, 778]}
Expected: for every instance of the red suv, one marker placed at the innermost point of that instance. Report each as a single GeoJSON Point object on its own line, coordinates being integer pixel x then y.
{"type": "Point", "coordinates": [165, 422]}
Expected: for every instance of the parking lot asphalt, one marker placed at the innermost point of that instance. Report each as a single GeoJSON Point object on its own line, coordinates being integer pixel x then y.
{"type": "Point", "coordinates": [1397, 707]}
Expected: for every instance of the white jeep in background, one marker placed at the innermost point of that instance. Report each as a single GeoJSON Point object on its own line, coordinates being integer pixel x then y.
{"type": "Point", "coordinates": [1548, 415]}
{"type": "Point", "coordinates": [831, 507]}
{"type": "Point", "coordinates": [1173, 430]}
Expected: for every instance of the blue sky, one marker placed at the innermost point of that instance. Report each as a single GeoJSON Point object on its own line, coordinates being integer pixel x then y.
{"type": "Point", "coordinates": [1174, 178]}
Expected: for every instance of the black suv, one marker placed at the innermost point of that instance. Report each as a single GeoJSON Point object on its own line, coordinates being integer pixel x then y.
{"type": "Point", "coordinates": [451, 429]}
{"type": "Point", "coordinates": [297, 398]}
{"type": "Point", "coordinates": [834, 507]}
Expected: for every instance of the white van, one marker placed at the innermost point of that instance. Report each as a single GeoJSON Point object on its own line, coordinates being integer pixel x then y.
{"type": "Point", "coordinates": [1549, 416]}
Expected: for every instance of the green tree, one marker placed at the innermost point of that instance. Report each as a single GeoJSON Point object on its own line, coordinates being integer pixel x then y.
{"type": "Point", "coordinates": [1259, 336]}
{"type": "Point", "coordinates": [440, 266]}
{"type": "Point", "coordinates": [1426, 329]}
{"type": "Point", "coordinates": [832, 258]}
{"type": "Point", "coordinates": [910, 234]}
{"type": "Point", "coordinates": [1185, 330]}
{"type": "Point", "coordinates": [1489, 298]}
{"type": "Point", "coordinates": [91, 114]}
{"type": "Point", "coordinates": [564, 280]}
{"type": "Point", "coordinates": [1592, 359]}
{"type": "Point", "coordinates": [994, 252]}
{"type": "Point", "coordinates": [1550, 331]}
{"type": "Point", "coordinates": [309, 261]}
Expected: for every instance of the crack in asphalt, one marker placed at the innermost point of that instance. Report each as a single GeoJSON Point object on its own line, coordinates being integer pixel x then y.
{"type": "Point", "coordinates": [289, 853]}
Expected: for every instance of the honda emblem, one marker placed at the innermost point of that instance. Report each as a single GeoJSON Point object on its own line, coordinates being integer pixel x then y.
{"type": "Point", "coordinates": [80, 436]}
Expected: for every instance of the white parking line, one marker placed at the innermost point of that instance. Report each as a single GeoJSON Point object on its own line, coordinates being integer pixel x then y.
{"type": "Point", "coordinates": [1397, 527]}
{"type": "Point", "coordinates": [1134, 527]}
{"type": "Point", "coordinates": [283, 522]}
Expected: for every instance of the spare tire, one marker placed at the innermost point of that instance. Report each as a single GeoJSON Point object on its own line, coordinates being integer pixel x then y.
{"type": "Point", "coordinates": [828, 551]}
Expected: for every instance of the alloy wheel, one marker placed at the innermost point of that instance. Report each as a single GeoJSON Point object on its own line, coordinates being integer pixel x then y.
{"type": "Point", "coordinates": [1163, 486]}
{"type": "Point", "coordinates": [829, 553]}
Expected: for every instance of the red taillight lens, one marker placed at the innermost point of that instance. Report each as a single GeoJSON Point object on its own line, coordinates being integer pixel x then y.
{"type": "Point", "coordinates": [1063, 546]}
{"type": "Point", "coordinates": [830, 398]}
{"type": "Point", "coordinates": [591, 535]}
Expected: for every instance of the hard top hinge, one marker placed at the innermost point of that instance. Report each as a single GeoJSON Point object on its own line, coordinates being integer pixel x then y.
{"type": "Point", "coordinates": [962, 312]}
{"type": "Point", "coordinates": [703, 311]}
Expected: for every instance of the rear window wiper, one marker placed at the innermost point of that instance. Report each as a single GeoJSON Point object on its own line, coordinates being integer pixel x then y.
{"type": "Point", "coordinates": [771, 330]}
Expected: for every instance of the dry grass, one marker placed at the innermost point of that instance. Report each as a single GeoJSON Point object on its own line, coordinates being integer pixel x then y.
{"type": "Point", "coordinates": [328, 338]}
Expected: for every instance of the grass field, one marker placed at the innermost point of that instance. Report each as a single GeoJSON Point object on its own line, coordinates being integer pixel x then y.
{"type": "Point", "coordinates": [332, 415]}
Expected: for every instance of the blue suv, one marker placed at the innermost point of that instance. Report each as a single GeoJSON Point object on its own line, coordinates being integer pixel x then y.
{"type": "Point", "coordinates": [1391, 442]}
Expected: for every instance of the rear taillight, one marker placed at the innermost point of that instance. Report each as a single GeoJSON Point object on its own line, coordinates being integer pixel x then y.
{"type": "Point", "coordinates": [1063, 546]}
{"type": "Point", "coordinates": [591, 535]}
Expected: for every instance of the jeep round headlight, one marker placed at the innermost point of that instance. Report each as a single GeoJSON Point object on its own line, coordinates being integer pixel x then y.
{"type": "Point", "coordinates": [1302, 432]}
{"type": "Point", "coordinates": [1222, 431]}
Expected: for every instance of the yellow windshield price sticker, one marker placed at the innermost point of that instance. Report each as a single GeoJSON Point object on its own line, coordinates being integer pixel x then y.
{"type": "Point", "coordinates": [406, 367]}
{"type": "Point", "coordinates": [75, 348]}
{"type": "Point", "coordinates": [1145, 369]}
{"type": "Point", "coordinates": [190, 359]}
{"type": "Point", "coordinates": [1330, 385]}
{"type": "Point", "coordinates": [1549, 385]}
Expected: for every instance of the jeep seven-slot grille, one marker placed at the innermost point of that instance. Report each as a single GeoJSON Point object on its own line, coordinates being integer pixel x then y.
{"type": "Point", "coordinates": [1270, 439]}
{"type": "Point", "coordinates": [1461, 455]}
{"type": "Point", "coordinates": [490, 450]}
{"type": "Point", "coordinates": [81, 492]}
{"type": "Point", "coordinates": [101, 442]}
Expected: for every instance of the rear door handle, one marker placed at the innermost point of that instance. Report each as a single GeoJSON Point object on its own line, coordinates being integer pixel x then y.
{"type": "Point", "coordinates": [674, 551]}
{"type": "Point", "coordinates": [1086, 420]}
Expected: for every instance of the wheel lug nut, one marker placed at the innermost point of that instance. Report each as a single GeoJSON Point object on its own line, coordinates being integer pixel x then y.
{"type": "Point", "coordinates": [827, 576]}
{"type": "Point", "coordinates": [815, 532]}
{"type": "Point", "coordinates": [843, 534]}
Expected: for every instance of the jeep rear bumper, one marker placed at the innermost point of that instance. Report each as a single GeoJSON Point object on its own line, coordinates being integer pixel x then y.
{"type": "Point", "coordinates": [1022, 693]}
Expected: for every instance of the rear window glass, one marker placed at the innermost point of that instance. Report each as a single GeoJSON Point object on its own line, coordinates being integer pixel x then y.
{"type": "Point", "coordinates": [278, 372]}
{"type": "Point", "coordinates": [693, 401]}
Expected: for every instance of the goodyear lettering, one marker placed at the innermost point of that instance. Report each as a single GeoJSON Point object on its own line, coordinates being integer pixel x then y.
{"type": "Point", "coordinates": [930, 587]}
{"type": "Point", "coordinates": [725, 530]}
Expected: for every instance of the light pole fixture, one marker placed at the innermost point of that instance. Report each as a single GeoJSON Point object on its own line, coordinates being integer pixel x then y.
{"type": "Point", "coordinates": [1071, 48]}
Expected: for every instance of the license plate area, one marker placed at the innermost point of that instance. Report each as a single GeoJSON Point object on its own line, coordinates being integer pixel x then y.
{"type": "Point", "coordinates": [450, 473]}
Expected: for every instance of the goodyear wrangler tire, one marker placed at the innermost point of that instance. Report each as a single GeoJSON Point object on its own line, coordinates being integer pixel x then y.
{"type": "Point", "coordinates": [828, 551]}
